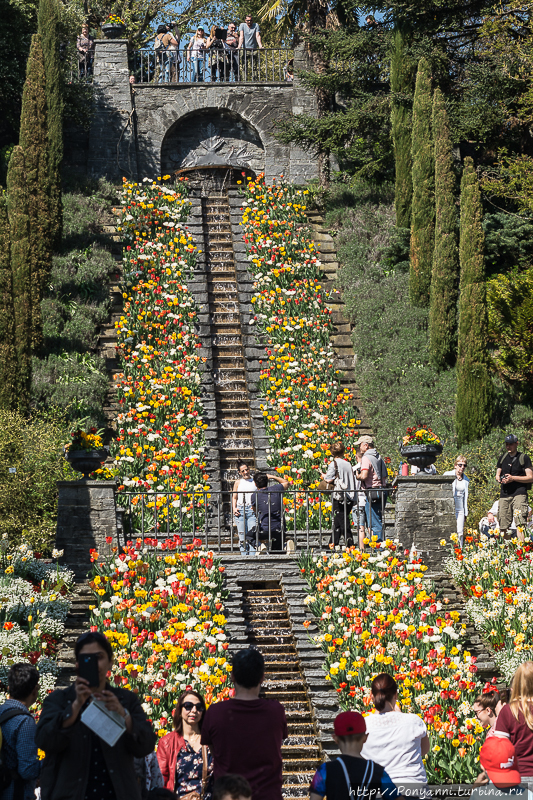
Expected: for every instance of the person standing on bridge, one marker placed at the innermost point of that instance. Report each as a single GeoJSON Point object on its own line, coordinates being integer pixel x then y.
{"type": "Point", "coordinates": [250, 42]}
{"type": "Point", "coordinates": [196, 52]}
{"type": "Point", "coordinates": [243, 513]}
{"type": "Point", "coordinates": [231, 46]}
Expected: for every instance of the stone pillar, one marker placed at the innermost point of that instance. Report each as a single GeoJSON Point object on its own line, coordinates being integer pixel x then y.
{"type": "Point", "coordinates": [112, 141]}
{"type": "Point", "coordinates": [303, 163]}
{"type": "Point", "coordinates": [86, 514]}
{"type": "Point", "coordinates": [425, 514]}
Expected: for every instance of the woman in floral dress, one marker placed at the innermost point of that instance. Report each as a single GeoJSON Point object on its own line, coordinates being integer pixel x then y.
{"type": "Point", "coordinates": [180, 753]}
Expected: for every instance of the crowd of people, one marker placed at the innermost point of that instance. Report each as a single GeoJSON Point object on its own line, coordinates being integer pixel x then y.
{"type": "Point", "coordinates": [233, 749]}
{"type": "Point", "coordinates": [358, 495]}
{"type": "Point", "coordinates": [224, 53]}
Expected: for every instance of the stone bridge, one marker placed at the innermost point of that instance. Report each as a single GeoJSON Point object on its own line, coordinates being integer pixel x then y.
{"type": "Point", "coordinates": [150, 129]}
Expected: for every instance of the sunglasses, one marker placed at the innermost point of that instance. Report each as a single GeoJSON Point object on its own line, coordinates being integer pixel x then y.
{"type": "Point", "coordinates": [460, 465]}
{"type": "Point", "coordinates": [190, 706]}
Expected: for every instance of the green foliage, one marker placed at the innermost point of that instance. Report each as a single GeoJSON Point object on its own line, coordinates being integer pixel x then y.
{"type": "Point", "coordinates": [8, 353]}
{"type": "Point", "coordinates": [18, 23]}
{"type": "Point", "coordinates": [401, 84]}
{"type": "Point", "coordinates": [75, 383]}
{"type": "Point", "coordinates": [474, 407]}
{"type": "Point", "coordinates": [68, 374]}
{"type": "Point", "coordinates": [423, 204]}
{"type": "Point", "coordinates": [34, 143]}
{"type": "Point", "coordinates": [508, 242]}
{"type": "Point", "coordinates": [5, 155]}
{"type": "Point", "coordinates": [445, 269]}
{"type": "Point", "coordinates": [77, 302]}
{"type": "Point", "coordinates": [17, 208]}
{"type": "Point", "coordinates": [28, 496]}
{"type": "Point", "coordinates": [510, 309]}
{"type": "Point", "coordinates": [357, 129]}
{"type": "Point", "coordinates": [394, 374]}
{"type": "Point", "coordinates": [48, 21]}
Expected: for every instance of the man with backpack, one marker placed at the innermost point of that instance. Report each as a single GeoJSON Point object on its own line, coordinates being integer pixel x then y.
{"type": "Point", "coordinates": [514, 473]}
{"type": "Point", "coordinates": [19, 762]}
{"type": "Point", "coordinates": [374, 477]}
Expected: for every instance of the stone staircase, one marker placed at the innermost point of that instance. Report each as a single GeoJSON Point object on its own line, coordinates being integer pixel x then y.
{"type": "Point", "coordinates": [77, 622]}
{"type": "Point", "coordinates": [107, 341]}
{"type": "Point", "coordinates": [265, 608]}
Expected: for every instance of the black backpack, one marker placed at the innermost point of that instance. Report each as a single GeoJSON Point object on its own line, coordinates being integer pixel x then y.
{"type": "Point", "coordinates": [7, 776]}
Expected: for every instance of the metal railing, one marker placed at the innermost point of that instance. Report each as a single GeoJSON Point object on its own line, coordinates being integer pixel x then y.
{"type": "Point", "coordinates": [77, 67]}
{"type": "Point", "coordinates": [308, 518]}
{"type": "Point", "coordinates": [270, 65]}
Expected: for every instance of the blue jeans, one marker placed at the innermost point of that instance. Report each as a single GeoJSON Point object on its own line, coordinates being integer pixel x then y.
{"type": "Point", "coordinates": [164, 68]}
{"type": "Point", "coordinates": [198, 67]}
{"type": "Point", "coordinates": [245, 521]}
{"type": "Point", "coordinates": [374, 518]}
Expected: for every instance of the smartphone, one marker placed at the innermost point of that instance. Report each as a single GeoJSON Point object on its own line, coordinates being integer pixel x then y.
{"type": "Point", "coordinates": [88, 668]}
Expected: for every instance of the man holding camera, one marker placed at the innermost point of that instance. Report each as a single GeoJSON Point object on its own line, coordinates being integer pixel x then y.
{"type": "Point", "coordinates": [514, 473]}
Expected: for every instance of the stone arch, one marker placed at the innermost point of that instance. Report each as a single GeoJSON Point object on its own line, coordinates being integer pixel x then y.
{"type": "Point", "coordinates": [208, 129]}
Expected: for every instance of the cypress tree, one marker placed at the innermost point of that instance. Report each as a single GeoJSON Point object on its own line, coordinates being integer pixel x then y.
{"type": "Point", "coordinates": [8, 355]}
{"type": "Point", "coordinates": [19, 224]}
{"type": "Point", "coordinates": [445, 272]}
{"type": "Point", "coordinates": [34, 142]}
{"type": "Point", "coordinates": [48, 21]}
{"type": "Point", "coordinates": [401, 78]}
{"type": "Point", "coordinates": [423, 206]}
{"type": "Point", "coordinates": [474, 386]}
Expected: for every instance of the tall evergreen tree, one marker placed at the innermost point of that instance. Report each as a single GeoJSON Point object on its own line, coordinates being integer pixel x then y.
{"type": "Point", "coordinates": [34, 142]}
{"type": "Point", "coordinates": [48, 21]}
{"type": "Point", "coordinates": [19, 224]}
{"type": "Point", "coordinates": [474, 386]}
{"type": "Point", "coordinates": [401, 79]}
{"type": "Point", "coordinates": [423, 207]}
{"type": "Point", "coordinates": [8, 354]}
{"type": "Point", "coordinates": [445, 272]}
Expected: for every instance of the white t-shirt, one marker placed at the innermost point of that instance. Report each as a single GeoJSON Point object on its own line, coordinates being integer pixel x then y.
{"type": "Point", "coordinates": [394, 742]}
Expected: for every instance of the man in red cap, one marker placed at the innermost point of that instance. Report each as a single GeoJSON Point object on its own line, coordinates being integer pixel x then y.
{"type": "Point", "coordinates": [351, 775]}
{"type": "Point", "coordinates": [498, 759]}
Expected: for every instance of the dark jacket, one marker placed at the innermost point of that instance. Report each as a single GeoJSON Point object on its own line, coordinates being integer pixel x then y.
{"type": "Point", "coordinates": [68, 750]}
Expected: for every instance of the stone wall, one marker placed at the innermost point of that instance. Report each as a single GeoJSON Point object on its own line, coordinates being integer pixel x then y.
{"type": "Point", "coordinates": [425, 514]}
{"type": "Point", "coordinates": [148, 129]}
{"type": "Point", "coordinates": [112, 141]}
{"type": "Point", "coordinates": [86, 515]}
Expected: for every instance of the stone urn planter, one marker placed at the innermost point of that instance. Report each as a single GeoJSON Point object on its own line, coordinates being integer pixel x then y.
{"type": "Point", "coordinates": [86, 461]}
{"type": "Point", "coordinates": [112, 30]}
{"type": "Point", "coordinates": [420, 455]}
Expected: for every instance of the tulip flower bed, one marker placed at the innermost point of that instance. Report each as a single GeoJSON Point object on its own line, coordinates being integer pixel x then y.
{"type": "Point", "coordinates": [161, 434]}
{"type": "Point", "coordinates": [378, 613]}
{"type": "Point", "coordinates": [305, 407]}
{"type": "Point", "coordinates": [496, 575]}
{"type": "Point", "coordinates": [34, 603]}
{"type": "Point", "coordinates": [162, 610]}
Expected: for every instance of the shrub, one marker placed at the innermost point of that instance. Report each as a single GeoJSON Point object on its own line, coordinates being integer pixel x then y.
{"type": "Point", "coordinates": [394, 374]}
{"type": "Point", "coordinates": [75, 383]}
{"type": "Point", "coordinates": [28, 496]}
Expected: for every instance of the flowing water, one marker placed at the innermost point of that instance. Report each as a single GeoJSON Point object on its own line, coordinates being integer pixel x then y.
{"type": "Point", "coordinates": [268, 627]}
{"type": "Point", "coordinates": [235, 439]}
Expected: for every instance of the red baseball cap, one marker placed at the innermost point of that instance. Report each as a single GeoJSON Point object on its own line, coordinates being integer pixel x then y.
{"type": "Point", "coordinates": [498, 759]}
{"type": "Point", "coordinates": [349, 723]}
